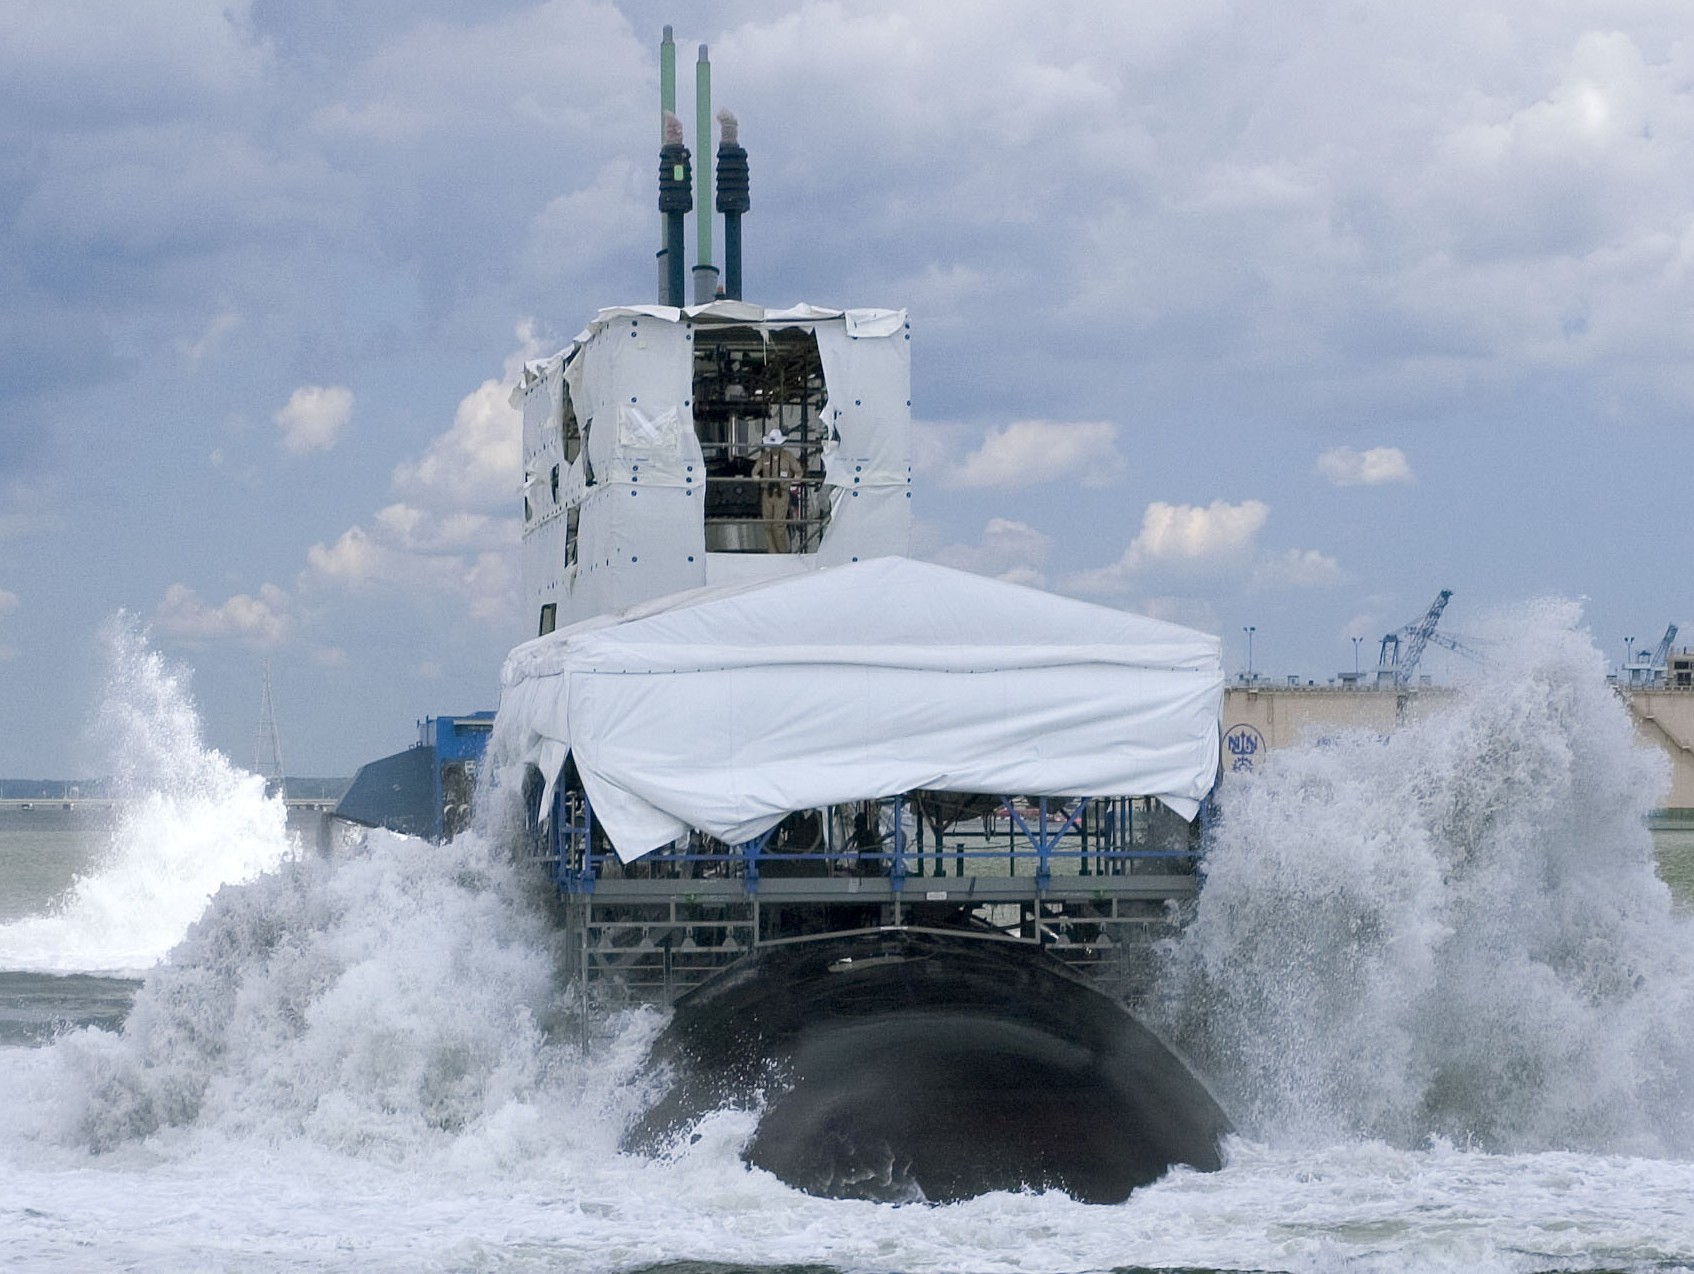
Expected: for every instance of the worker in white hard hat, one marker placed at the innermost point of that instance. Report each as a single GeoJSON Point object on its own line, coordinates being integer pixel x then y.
{"type": "Point", "coordinates": [777, 469]}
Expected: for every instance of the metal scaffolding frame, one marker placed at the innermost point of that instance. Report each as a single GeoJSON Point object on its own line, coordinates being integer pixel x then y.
{"type": "Point", "coordinates": [1092, 880]}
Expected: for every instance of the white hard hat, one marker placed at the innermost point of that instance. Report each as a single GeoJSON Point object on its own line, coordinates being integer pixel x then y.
{"type": "Point", "coordinates": [775, 438]}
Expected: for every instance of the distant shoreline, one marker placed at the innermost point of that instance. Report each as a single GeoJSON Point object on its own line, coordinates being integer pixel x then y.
{"type": "Point", "coordinates": [15, 793]}
{"type": "Point", "coordinates": [48, 804]}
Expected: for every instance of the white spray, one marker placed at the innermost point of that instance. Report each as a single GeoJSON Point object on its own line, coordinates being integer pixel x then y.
{"type": "Point", "coordinates": [1452, 932]}
{"type": "Point", "coordinates": [368, 1060]}
{"type": "Point", "coordinates": [395, 999]}
{"type": "Point", "coordinates": [189, 822]}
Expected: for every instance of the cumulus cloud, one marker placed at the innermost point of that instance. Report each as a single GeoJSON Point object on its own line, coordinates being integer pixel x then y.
{"type": "Point", "coordinates": [1090, 212]}
{"type": "Point", "coordinates": [562, 70]}
{"type": "Point", "coordinates": [1027, 453]}
{"type": "Point", "coordinates": [314, 417]}
{"type": "Point", "coordinates": [439, 542]}
{"type": "Point", "coordinates": [478, 462]}
{"type": "Point", "coordinates": [1557, 164]}
{"type": "Point", "coordinates": [181, 50]}
{"type": "Point", "coordinates": [1187, 531]}
{"type": "Point", "coordinates": [483, 583]}
{"type": "Point", "coordinates": [1345, 467]}
{"type": "Point", "coordinates": [605, 220]}
{"type": "Point", "coordinates": [1010, 550]}
{"type": "Point", "coordinates": [8, 601]}
{"type": "Point", "coordinates": [935, 445]}
{"type": "Point", "coordinates": [456, 534]}
{"type": "Point", "coordinates": [353, 561]}
{"type": "Point", "coordinates": [1363, 625]}
{"type": "Point", "coordinates": [1296, 568]}
{"type": "Point", "coordinates": [417, 530]}
{"type": "Point", "coordinates": [1192, 612]}
{"type": "Point", "coordinates": [259, 621]}
{"type": "Point", "coordinates": [1179, 533]}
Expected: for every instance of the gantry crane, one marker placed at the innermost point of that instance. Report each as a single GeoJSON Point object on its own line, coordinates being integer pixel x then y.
{"type": "Point", "coordinates": [1403, 664]}
{"type": "Point", "coordinates": [1649, 670]}
{"type": "Point", "coordinates": [1661, 656]}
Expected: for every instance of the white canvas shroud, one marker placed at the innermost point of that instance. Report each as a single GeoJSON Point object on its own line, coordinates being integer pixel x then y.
{"type": "Point", "coordinates": [641, 529]}
{"type": "Point", "coordinates": [724, 709]}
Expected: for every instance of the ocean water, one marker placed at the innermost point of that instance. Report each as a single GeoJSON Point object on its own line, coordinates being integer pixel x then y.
{"type": "Point", "coordinates": [1439, 980]}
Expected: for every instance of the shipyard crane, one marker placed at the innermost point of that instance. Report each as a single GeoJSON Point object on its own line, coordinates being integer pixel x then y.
{"type": "Point", "coordinates": [1403, 664]}
{"type": "Point", "coordinates": [1458, 647]}
{"type": "Point", "coordinates": [1661, 656]}
{"type": "Point", "coordinates": [1649, 670]}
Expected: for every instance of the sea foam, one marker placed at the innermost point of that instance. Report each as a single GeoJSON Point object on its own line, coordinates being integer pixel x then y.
{"type": "Point", "coordinates": [384, 1003]}
{"type": "Point", "coordinates": [369, 1059]}
{"type": "Point", "coordinates": [1454, 931]}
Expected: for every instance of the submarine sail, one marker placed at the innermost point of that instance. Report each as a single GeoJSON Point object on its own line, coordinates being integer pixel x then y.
{"type": "Point", "coordinates": [891, 838]}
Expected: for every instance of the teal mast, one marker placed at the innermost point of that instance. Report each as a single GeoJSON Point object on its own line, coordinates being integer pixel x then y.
{"type": "Point", "coordinates": [667, 109]}
{"type": "Point", "coordinates": [705, 273]}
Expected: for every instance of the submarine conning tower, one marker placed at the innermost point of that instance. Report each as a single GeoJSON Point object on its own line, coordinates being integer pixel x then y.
{"type": "Point", "coordinates": [674, 446]}
{"type": "Point", "coordinates": [891, 837]}
{"type": "Point", "coordinates": [748, 717]}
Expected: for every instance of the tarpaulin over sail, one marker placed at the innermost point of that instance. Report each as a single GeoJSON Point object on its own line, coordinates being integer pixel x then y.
{"type": "Point", "coordinates": [724, 709]}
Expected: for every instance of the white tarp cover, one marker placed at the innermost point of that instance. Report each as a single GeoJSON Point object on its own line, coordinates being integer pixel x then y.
{"type": "Point", "coordinates": [724, 709]}
{"type": "Point", "coordinates": [639, 530]}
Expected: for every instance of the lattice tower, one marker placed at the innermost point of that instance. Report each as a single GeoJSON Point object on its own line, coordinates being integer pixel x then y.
{"type": "Point", "coordinates": [267, 750]}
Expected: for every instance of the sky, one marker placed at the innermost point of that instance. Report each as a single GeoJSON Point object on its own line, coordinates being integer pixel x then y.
{"type": "Point", "coordinates": [1281, 317]}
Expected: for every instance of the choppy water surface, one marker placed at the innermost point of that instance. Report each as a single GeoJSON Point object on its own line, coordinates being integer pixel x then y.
{"type": "Point", "coordinates": [42, 850]}
{"type": "Point", "coordinates": [1674, 848]}
{"type": "Point", "coordinates": [1436, 979]}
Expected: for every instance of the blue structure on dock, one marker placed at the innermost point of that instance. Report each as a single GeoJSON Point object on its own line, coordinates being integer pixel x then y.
{"type": "Point", "coordinates": [427, 789]}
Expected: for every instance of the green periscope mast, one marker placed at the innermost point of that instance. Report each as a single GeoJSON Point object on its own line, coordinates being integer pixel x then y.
{"type": "Point", "coordinates": [891, 837]}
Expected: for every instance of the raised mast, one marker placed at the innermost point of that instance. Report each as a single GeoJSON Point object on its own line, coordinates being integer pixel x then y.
{"type": "Point", "coordinates": [667, 112]}
{"type": "Point", "coordinates": [733, 200]}
{"type": "Point", "coordinates": [705, 273]}
{"type": "Point", "coordinates": [676, 199]}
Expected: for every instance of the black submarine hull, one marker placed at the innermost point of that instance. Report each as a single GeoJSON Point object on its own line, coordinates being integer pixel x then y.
{"type": "Point", "coordinates": [904, 1066]}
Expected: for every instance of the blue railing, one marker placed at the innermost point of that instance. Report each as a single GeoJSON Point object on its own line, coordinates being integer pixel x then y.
{"type": "Point", "coordinates": [1083, 837]}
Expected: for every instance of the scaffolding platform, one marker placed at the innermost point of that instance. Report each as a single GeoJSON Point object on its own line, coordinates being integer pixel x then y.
{"type": "Point", "coordinates": [1092, 881]}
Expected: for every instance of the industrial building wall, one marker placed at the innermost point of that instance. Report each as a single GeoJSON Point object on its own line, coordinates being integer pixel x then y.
{"type": "Point", "coordinates": [1259, 719]}
{"type": "Point", "coordinates": [1665, 718]}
